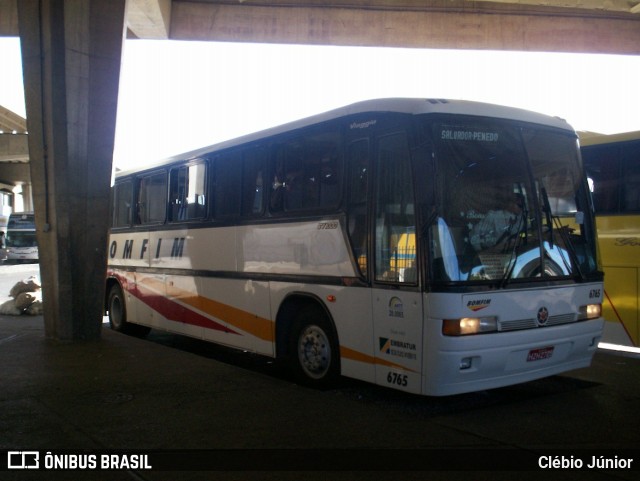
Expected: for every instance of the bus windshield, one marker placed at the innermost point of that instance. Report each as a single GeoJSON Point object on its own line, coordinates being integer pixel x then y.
{"type": "Point", "coordinates": [510, 205]}
{"type": "Point", "coordinates": [21, 239]}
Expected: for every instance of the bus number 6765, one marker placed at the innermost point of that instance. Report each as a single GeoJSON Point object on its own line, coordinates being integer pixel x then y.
{"type": "Point", "coordinates": [395, 378]}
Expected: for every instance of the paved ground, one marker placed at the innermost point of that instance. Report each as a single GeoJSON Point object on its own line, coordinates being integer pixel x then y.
{"type": "Point", "coordinates": [170, 393]}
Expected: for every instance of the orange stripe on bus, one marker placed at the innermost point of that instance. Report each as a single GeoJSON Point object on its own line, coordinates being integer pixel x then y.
{"type": "Point", "coordinates": [248, 322]}
{"type": "Point", "coordinates": [352, 354]}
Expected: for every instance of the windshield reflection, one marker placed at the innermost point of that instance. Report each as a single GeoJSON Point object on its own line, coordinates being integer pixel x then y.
{"type": "Point", "coordinates": [510, 205]}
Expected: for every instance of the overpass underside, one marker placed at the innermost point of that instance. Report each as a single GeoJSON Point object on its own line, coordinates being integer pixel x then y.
{"type": "Point", "coordinates": [71, 59]}
{"type": "Point", "coordinates": [580, 26]}
{"type": "Point", "coordinates": [456, 24]}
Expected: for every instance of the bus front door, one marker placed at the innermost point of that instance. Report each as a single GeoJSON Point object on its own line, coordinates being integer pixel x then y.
{"type": "Point", "coordinates": [398, 338]}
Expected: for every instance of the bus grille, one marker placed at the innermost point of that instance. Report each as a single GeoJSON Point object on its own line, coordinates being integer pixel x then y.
{"type": "Point", "coordinates": [518, 324]}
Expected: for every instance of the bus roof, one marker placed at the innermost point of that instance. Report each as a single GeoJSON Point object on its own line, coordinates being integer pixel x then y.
{"type": "Point", "coordinates": [413, 106]}
{"type": "Point", "coordinates": [590, 138]}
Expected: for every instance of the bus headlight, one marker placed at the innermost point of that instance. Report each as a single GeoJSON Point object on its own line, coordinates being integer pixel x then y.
{"type": "Point", "coordinates": [469, 325]}
{"type": "Point", "coordinates": [590, 311]}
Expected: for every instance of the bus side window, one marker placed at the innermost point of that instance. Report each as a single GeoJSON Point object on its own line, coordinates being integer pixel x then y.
{"type": "Point", "coordinates": [253, 164]}
{"type": "Point", "coordinates": [603, 169]}
{"type": "Point", "coordinates": [276, 195]}
{"type": "Point", "coordinates": [152, 198]}
{"type": "Point", "coordinates": [122, 199]}
{"type": "Point", "coordinates": [226, 179]}
{"type": "Point", "coordinates": [187, 194]}
{"type": "Point", "coordinates": [308, 172]}
{"type": "Point", "coordinates": [631, 176]}
{"type": "Point", "coordinates": [358, 178]}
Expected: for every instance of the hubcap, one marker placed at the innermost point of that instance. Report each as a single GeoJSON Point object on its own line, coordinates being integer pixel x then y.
{"type": "Point", "coordinates": [314, 352]}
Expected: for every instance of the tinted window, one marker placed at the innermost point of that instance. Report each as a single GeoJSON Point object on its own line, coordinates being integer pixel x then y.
{"type": "Point", "coordinates": [152, 198]}
{"type": "Point", "coordinates": [226, 181]}
{"type": "Point", "coordinates": [358, 168]}
{"type": "Point", "coordinates": [122, 201]}
{"type": "Point", "coordinates": [614, 176]}
{"type": "Point", "coordinates": [395, 220]}
{"type": "Point", "coordinates": [602, 163]}
{"type": "Point", "coordinates": [253, 165]}
{"type": "Point", "coordinates": [307, 173]}
{"type": "Point", "coordinates": [187, 193]}
{"type": "Point", "coordinates": [631, 174]}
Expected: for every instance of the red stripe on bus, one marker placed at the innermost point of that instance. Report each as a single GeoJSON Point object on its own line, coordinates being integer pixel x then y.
{"type": "Point", "coordinates": [178, 313]}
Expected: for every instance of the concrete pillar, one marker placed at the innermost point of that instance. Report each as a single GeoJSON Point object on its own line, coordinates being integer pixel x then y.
{"type": "Point", "coordinates": [26, 198]}
{"type": "Point", "coordinates": [71, 51]}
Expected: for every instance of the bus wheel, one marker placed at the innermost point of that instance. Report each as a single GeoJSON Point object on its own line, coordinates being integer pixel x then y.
{"type": "Point", "coordinates": [314, 350]}
{"type": "Point", "coordinates": [118, 315]}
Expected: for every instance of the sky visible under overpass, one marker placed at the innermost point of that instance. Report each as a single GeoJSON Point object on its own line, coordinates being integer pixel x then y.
{"type": "Point", "coordinates": [177, 96]}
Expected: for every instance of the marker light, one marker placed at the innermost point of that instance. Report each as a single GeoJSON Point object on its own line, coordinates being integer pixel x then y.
{"type": "Point", "coordinates": [590, 311]}
{"type": "Point", "coordinates": [469, 325]}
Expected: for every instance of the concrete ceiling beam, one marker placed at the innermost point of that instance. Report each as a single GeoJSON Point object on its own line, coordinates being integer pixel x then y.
{"type": "Point", "coordinates": [150, 19]}
{"type": "Point", "coordinates": [579, 26]}
{"type": "Point", "coordinates": [10, 121]}
{"type": "Point", "coordinates": [483, 27]}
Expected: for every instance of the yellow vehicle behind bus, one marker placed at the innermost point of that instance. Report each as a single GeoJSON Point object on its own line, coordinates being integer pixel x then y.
{"type": "Point", "coordinates": [613, 169]}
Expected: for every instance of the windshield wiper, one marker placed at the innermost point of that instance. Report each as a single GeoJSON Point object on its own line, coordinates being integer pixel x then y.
{"type": "Point", "coordinates": [554, 219]}
{"type": "Point", "coordinates": [546, 207]}
{"type": "Point", "coordinates": [566, 239]}
{"type": "Point", "coordinates": [513, 259]}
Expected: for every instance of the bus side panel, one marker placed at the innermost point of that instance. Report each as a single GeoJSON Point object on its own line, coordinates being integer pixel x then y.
{"type": "Point", "coordinates": [213, 306]}
{"type": "Point", "coordinates": [620, 252]}
{"type": "Point", "coordinates": [181, 292]}
{"type": "Point", "coordinates": [210, 249]}
{"type": "Point", "coordinates": [144, 297]}
{"type": "Point", "coordinates": [237, 313]}
{"type": "Point", "coordinates": [129, 249]}
{"type": "Point", "coordinates": [621, 305]}
{"type": "Point", "coordinates": [350, 310]}
{"type": "Point", "coordinates": [300, 248]}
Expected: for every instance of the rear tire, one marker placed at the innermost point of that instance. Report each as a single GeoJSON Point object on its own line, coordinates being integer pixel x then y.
{"type": "Point", "coordinates": [118, 315]}
{"type": "Point", "coordinates": [313, 350]}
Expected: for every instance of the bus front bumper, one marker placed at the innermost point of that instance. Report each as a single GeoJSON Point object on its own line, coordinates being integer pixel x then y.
{"type": "Point", "coordinates": [487, 361]}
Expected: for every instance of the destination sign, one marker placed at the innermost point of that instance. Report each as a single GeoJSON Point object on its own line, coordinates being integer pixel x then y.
{"type": "Point", "coordinates": [469, 135]}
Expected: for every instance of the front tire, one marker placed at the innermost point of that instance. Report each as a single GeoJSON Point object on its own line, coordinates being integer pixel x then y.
{"type": "Point", "coordinates": [314, 353]}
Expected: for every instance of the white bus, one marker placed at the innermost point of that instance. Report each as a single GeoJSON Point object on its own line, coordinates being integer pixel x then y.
{"type": "Point", "coordinates": [367, 242]}
{"type": "Point", "coordinates": [20, 241]}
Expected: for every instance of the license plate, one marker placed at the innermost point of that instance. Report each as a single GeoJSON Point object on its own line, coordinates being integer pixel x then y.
{"type": "Point", "coordinates": [539, 354]}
